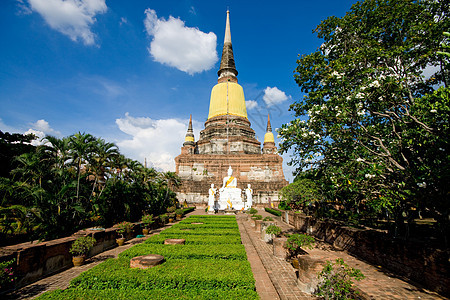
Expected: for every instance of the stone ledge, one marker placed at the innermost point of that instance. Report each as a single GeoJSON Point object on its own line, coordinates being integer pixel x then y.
{"type": "Point", "coordinates": [146, 261]}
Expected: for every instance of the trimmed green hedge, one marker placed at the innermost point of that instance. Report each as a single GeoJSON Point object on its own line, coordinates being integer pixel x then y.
{"type": "Point", "coordinates": [204, 274]}
{"type": "Point", "coordinates": [201, 231]}
{"type": "Point", "coordinates": [209, 225]}
{"type": "Point", "coordinates": [188, 210]}
{"type": "Point", "coordinates": [158, 294]}
{"type": "Point", "coordinates": [212, 265]}
{"type": "Point", "coordinates": [273, 211]}
{"type": "Point", "coordinates": [188, 251]}
{"type": "Point", "coordinates": [192, 239]}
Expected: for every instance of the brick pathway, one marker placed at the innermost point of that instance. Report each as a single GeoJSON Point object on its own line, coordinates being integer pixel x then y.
{"type": "Point", "coordinates": [273, 272]}
{"type": "Point", "coordinates": [264, 286]}
{"type": "Point", "coordinates": [378, 284]}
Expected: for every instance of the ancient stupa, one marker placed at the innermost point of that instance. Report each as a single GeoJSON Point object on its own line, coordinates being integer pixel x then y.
{"type": "Point", "coordinates": [228, 140]}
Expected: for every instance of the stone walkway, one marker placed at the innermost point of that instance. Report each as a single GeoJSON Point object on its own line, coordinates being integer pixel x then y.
{"type": "Point", "coordinates": [378, 284]}
{"type": "Point", "coordinates": [275, 278]}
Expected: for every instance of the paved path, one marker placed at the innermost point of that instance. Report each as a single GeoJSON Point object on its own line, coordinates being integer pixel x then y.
{"type": "Point", "coordinates": [275, 278]}
{"type": "Point", "coordinates": [273, 273]}
{"type": "Point", "coordinates": [378, 284]}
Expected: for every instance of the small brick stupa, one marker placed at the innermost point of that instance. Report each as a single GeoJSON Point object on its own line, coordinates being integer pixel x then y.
{"type": "Point", "coordinates": [228, 140]}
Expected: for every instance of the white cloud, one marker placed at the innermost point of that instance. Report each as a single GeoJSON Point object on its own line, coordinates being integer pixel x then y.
{"type": "Point", "coordinates": [273, 96]}
{"type": "Point", "coordinates": [123, 21]}
{"type": "Point", "coordinates": [71, 17]}
{"type": "Point", "coordinates": [44, 126]}
{"type": "Point", "coordinates": [251, 104]}
{"type": "Point", "coordinates": [159, 141]}
{"type": "Point", "coordinates": [185, 48]}
{"type": "Point", "coordinates": [40, 129]}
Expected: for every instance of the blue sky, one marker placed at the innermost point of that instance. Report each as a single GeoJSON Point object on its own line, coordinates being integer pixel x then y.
{"type": "Point", "coordinates": [132, 72]}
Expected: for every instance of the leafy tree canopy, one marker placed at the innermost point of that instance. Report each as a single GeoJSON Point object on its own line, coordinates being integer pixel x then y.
{"type": "Point", "coordinates": [372, 126]}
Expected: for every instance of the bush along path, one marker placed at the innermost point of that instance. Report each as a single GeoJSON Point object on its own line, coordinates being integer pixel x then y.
{"type": "Point", "coordinates": [211, 265]}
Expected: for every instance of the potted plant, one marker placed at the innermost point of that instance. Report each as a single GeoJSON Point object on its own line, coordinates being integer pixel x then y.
{"type": "Point", "coordinates": [295, 243]}
{"type": "Point", "coordinates": [252, 211]}
{"type": "Point", "coordinates": [164, 218]}
{"type": "Point", "coordinates": [171, 213]}
{"type": "Point", "coordinates": [80, 248]}
{"type": "Point", "coordinates": [179, 213]}
{"type": "Point", "coordinates": [274, 230]}
{"type": "Point", "coordinates": [146, 220]}
{"type": "Point", "coordinates": [268, 228]}
{"type": "Point", "coordinates": [121, 229]}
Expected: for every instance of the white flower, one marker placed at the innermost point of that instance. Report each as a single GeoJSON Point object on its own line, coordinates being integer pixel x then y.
{"type": "Point", "coordinates": [375, 84]}
{"type": "Point", "coordinates": [361, 112]}
{"type": "Point", "coordinates": [433, 111]}
{"type": "Point", "coordinates": [360, 96]}
{"type": "Point", "coordinates": [359, 159]}
{"type": "Point", "coordinates": [368, 176]}
{"type": "Point", "coordinates": [422, 184]}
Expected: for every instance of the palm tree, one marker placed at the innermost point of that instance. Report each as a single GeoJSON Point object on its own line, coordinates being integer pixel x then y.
{"type": "Point", "coordinates": [81, 146]}
{"type": "Point", "coordinates": [172, 180]}
{"type": "Point", "coordinates": [102, 161]}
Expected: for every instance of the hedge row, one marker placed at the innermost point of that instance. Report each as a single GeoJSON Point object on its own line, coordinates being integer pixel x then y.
{"type": "Point", "coordinates": [157, 294]}
{"type": "Point", "coordinates": [208, 225]}
{"type": "Point", "coordinates": [200, 274]}
{"type": "Point", "coordinates": [193, 239]}
{"type": "Point", "coordinates": [188, 210]}
{"type": "Point", "coordinates": [188, 251]}
{"type": "Point", "coordinates": [273, 211]}
{"type": "Point", "coordinates": [212, 265]}
{"type": "Point", "coordinates": [201, 231]}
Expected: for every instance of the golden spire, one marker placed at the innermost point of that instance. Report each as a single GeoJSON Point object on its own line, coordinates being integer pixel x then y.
{"type": "Point", "coordinates": [268, 137]}
{"type": "Point", "coordinates": [227, 97]}
{"type": "Point", "coordinates": [189, 139]}
{"type": "Point", "coordinates": [227, 71]}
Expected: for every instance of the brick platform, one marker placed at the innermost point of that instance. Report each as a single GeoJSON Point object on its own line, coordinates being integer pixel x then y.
{"type": "Point", "coordinates": [275, 278]}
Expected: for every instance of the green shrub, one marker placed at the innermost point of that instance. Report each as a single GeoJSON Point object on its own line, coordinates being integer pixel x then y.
{"type": "Point", "coordinates": [284, 205]}
{"type": "Point", "coordinates": [268, 219]}
{"type": "Point", "coordinates": [201, 231]}
{"type": "Point", "coordinates": [147, 220]}
{"type": "Point", "coordinates": [7, 277]}
{"type": "Point", "coordinates": [188, 210]}
{"type": "Point", "coordinates": [184, 274]}
{"type": "Point", "coordinates": [273, 211]}
{"type": "Point", "coordinates": [258, 217]}
{"type": "Point", "coordinates": [273, 229]}
{"type": "Point", "coordinates": [82, 246]}
{"type": "Point", "coordinates": [157, 294]}
{"type": "Point", "coordinates": [192, 239]}
{"type": "Point", "coordinates": [179, 212]}
{"type": "Point", "coordinates": [252, 211]}
{"type": "Point", "coordinates": [208, 225]}
{"type": "Point", "coordinates": [235, 252]}
{"type": "Point", "coordinates": [297, 241]}
{"type": "Point", "coordinates": [336, 280]}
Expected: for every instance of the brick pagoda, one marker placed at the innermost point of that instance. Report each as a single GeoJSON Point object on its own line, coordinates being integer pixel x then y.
{"type": "Point", "coordinates": [229, 140]}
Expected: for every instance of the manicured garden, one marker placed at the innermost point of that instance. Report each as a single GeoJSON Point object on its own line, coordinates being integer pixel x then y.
{"type": "Point", "coordinates": [211, 265]}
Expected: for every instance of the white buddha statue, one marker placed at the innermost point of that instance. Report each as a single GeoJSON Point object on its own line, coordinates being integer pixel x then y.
{"type": "Point", "coordinates": [229, 181]}
{"type": "Point", "coordinates": [230, 195]}
{"type": "Point", "coordinates": [249, 196]}
{"type": "Point", "coordinates": [212, 197]}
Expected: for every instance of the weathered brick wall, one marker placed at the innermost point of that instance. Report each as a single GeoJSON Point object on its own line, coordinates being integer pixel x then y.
{"type": "Point", "coordinates": [39, 259]}
{"type": "Point", "coordinates": [412, 259]}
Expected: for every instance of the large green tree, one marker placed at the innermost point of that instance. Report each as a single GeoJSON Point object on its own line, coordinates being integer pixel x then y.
{"type": "Point", "coordinates": [371, 125]}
